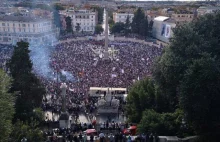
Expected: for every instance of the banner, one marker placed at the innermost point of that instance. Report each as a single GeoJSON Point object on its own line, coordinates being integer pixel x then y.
{"type": "Point", "coordinates": [163, 29]}
{"type": "Point", "coordinates": [167, 31]}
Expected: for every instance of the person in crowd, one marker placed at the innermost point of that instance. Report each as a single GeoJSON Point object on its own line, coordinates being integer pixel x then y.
{"type": "Point", "coordinates": [91, 138]}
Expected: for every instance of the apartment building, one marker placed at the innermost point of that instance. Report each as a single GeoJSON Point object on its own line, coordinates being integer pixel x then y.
{"type": "Point", "coordinates": [32, 30]}
{"type": "Point", "coordinates": [121, 17]}
{"type": "Point", "coordinates": [86, 19]}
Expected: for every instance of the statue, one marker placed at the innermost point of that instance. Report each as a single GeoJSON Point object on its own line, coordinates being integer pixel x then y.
{"type": "Point", "coordinates": [108, 104]}
{"type": "Point", "coordinates": [64, 121]}
{"type": "Point", "coordinates": [63, 87]}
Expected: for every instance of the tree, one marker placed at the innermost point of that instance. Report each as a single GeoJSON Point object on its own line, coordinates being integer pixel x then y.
{"type": "Point", "coordinates": [151, 25]}
{"type": "Point", "coordinates": [111, 23]}
{"type": "Point", "coordinates": [127, 25]}
{"type": "Point", "coordinates": [69, 28]}
{"type": "Point", "coordinates": [166, 124]}
{"type": "Point", "coordinates": [56, 19]}
{"type": "Point", "coordinates": [188, 73]}
{"type": "Point", "coordinates": [98, 29]}
{"type": "Point", "coordinates": [138, 17]}
{"type": "Point", "coordinates": [25, 84]}
{"type": "Point", "coordinates": [140, 97]}
{"type": "Point", "coordinates": [58, 6]}
{"type": "Point", "coordinates": [6, 107]}
{"type": "Point", "coordinates": [30, 131]}
{"type": "Point", "coordinates": [77, 27]}
{"type": "Point", "coordinates": [118, 28]}
{"type": "Point", "coordinates": [150, 28]}
{"type": "Point", "coordinates": [143, 30]}
{"type": "Point", "coordinates": [100, 11]}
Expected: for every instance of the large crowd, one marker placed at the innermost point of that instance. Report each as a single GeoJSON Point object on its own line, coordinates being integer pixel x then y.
{"type": "Point", "coordinates": [83, 66]}
{"type": "Point", "coordinates": [132, 63]}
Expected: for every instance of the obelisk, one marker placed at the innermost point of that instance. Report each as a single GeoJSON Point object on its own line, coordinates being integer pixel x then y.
{"type": "Point", "coordinates": [64, 121]}
{"type": "Point", "coordinates": [106, 54]}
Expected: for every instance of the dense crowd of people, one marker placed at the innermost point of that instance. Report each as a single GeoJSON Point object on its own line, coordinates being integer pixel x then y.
{"type": "Point", "coordinates": [132, 63]}
{"type": "Point", "coordinates": [5, 54]}
{"type": "Point", "coordinates": [83, 66]}
{"type": "Point", "coordinates": [70, 136]}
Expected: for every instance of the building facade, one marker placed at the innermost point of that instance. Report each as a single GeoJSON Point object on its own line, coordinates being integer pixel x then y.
{"type": "Point", "coordinates": [121, 17]}
{"type": "Point", "coordinates": [85, 19]}
{"type": "Point", "coordinates": [182, 18]}
{"type": "Point", "coordinates": [202, 10]}
{"type": "Point", "coordinates": [32, 30]}
{"type": "Point", "coordinates": [162, 28]}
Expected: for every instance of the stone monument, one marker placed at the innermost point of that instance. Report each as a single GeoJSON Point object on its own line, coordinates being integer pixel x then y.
{"type": "Point", "coordinates": [108, 104]}
{"type": "Point", "coordinates": [106, 53]}
{"type": "Point", "coordinates": [64, 121]}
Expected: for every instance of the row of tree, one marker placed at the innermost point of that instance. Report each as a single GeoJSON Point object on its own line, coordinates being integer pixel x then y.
{"type": "Point", "coordinates": [21, 96]}
{"type": "Point", "coordinates": [139, 25]}
{"type": "Point", "coordinates": [184, 92]}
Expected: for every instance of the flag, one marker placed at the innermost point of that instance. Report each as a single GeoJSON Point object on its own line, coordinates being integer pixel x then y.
{"type": "Point", "coordinates": [113, 69]}
{"type": "Point", "coordinates": [122, 71]}
{"type": "Point", "coordinates": [72, 90]}
{"type": "Point", "coordinates": [113, 75]}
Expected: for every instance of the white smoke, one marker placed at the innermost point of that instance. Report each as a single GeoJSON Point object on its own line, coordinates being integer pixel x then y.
{"type": "Point", "coordinates": [40, 56]}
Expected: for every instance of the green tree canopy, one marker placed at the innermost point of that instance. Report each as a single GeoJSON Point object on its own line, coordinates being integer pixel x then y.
{"type": "Point", "coordinates": [166, 124]}
{"type": "Point", "coordinates": [56, 19]}
{"type": "Point", "coordinates": [69, 28]}
{"type": "Point", "coordinates": [77, 27]}
{"type": "Point", "coordinates": [100, 11]}
{"type": "Point", "coordinates": [98, 29]}
{"type": "Point", "coordinates": [188, 72]}
{"type": "Point", "coordinates": [118, 28]}
{"type": "Point", "coordinates": [28, 130]}
{"type": "Point", "coordinates": [143, 30]}
{"type": "Point", "coordinates": [6, 107]}
{"type": "Point", "coordinates": [25, 84]}
{"type": "Point", "coordinates": [127, 25]}
{"type": "Point", "coordinates": [140, 97]}
{"type": "Point", "coordinates": [138, 21]}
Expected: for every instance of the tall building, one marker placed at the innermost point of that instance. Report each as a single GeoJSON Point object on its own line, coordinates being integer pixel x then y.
{"type": "Point", "coordinates": [32, 30]}
{"type": "Point", "coordinates": [86, 19]}
{"type": "Point", "coordinates": [121, 17]}
{"type": "Point", "coordinates": [162, 28]}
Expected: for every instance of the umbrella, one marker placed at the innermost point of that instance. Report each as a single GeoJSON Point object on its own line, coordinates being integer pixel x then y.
{"type": "Point", "coordinates": [126, 131]}
{"type": "Point", "coordinates": [89, 131]}
{"type": "Point", "coordinates": [132, 127]}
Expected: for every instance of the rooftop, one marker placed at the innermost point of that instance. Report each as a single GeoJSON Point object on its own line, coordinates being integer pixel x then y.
{"type": "Point", "coordinates": [161, 18]}
{"type": "Point", "coordinates": [22, 18]}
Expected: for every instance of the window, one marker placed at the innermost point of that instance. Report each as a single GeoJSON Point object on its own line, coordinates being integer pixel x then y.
{"type": "Point", "coordinates": [3, 24]}
{"type": "Point", "coordinates": [28, 25]}
{"type": "Point", "coordinates": [33, 25]}
{"type": "Point", "coordinates": [23, 25]}
{"type": "Point", "coordinates": [19, 25]}
{"type": "Point", "coordinates": [13, 24]}
{"type": "Point", "coordinates": [8, 24]}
